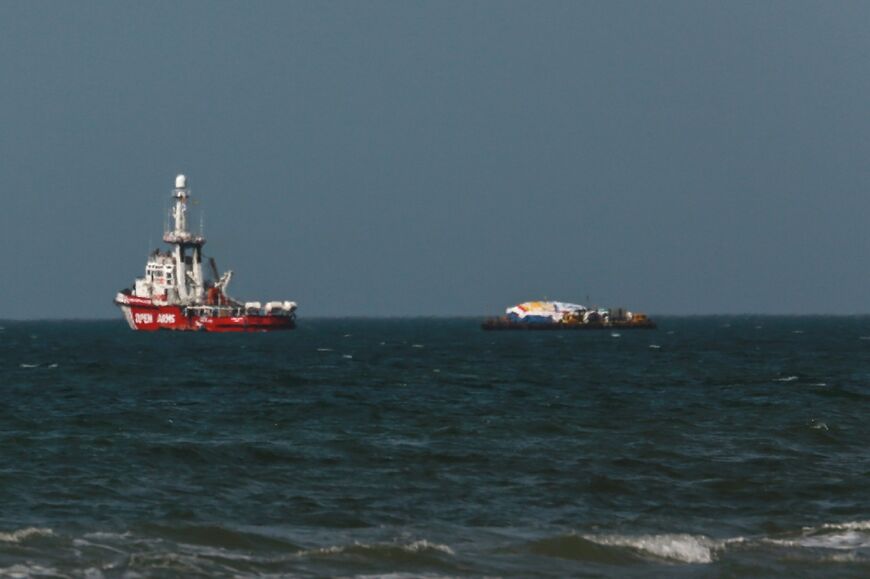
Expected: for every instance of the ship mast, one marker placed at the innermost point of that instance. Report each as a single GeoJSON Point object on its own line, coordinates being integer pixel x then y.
{"type": "Point", "coordinates": [188, 268]}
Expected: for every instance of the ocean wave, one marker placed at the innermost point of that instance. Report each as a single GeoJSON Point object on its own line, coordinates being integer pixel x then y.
{"type": "Point", "coordinates": [404, 576]}
{"type": "Point", "coordinates": [218, 536]}
{"type": "Point", "coordinates": [20, 535]}
{"type": "Point", "coordinates": [847, 526]}
{"type": "Point", "coordinates": [849, 540]}
{"type": "Point", "coordinates": [20, 571]}
{"type": "Point", "coordinates": [786, 379]}
{"type": "Point", "coordinates": [170, 563]}
{"type": "Point", "coordinates": [623, 549]}
{"type": "Point", "coordinates": [106, 535]}
{"type": "Point", "coordinates": [419, 546]}
{"type": "Point", "coordinates": [845, 536]}
{"type": "Point", "coordinates": [578, 548]}
{"type": "Point", "coordinates": [677, 547]}
{"type": "Point", "coordinates": [217, 550]}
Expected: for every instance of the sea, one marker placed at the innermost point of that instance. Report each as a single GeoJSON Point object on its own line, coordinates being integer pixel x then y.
{"type": "Point", "coordinates": [709, 447]}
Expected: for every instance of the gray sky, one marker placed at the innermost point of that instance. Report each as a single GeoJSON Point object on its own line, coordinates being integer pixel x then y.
{"type": "Point", "coordinates": [415, 158]}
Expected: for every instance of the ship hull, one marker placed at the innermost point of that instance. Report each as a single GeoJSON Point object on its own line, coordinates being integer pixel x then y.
{"type": "Point", "coordinates": [505, 324]}
{"type": "Point", "coordinates": [143, 315]}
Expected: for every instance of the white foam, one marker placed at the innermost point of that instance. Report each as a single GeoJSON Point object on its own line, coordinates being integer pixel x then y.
{"type": "Point", "coordinates": [106, 535]}
{"type": "Point", "coordinates": [847, 540]}
{"type": "Point", "coordinates": [847, 526]}
{"type": "Point", "coordinates": [19, 571]}
{"type": "Point", "coordinates": [424, 545]}
{"type": "Point", "coordinates": [414, 547]}
{"type": "Point", "coordinates": [849, 535]}
{"type": "Point", "coordinates": [347, 356]}
{"type": "Point", "coordinates": [87, 543]}
{"type": "Point", "coordinates": [24, 534]}
{"type": "Point", "coordinates": [842, 558]}
{"type": "Point", "coordinates": [654, 347]}
{"type": "Point", "coordinates": [786, 379]}
{"type": "Point", "coordinates": [842, 539]}
{"type": "Point", "coordinates": [679, 547]}
{"type": "Point", "coordinates": [404, 576]}
{"type": "Point", "coordinates": [28, 365]}
{"type": "Point", "coordinates": [615, 335]}
{"type": "Point", "coordinates": [416, 345]}
{"type": "Point", "coordinates": [200, 550]}
{"type": "Point", "coordinates": [324, 349]}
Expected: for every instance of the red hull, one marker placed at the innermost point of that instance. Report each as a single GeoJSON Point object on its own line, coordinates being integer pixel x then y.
{"type": "Point", "coordinates": [144, 315]}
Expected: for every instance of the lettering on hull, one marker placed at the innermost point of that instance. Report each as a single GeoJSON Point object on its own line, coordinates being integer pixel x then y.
{"type": "Point", "coordinates": [166, 319]}
{"type": "Point", "coordinates": [157, 320]}
{"type": "Point", "coordinates": [143, 318]}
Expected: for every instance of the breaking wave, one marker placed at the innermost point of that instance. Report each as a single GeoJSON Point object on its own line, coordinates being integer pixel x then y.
{"type": "Point", "coordinates": [848, 541]}
{"type": "Point", "coordinates": [24, 534]}
{"type": "Point", "coordinates": [615, 548]}
{"type": "Point", "coordinates": [214, 550]}
{"type": "Point", "coordinates": [850, 535]}
{"type": "Point", "coordinates": [848, 526]}
{"type": "Point", "coordinates": [682, 548]}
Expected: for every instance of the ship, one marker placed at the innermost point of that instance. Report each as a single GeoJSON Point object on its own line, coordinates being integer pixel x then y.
{"type": "Point", "coordinates": [552, 315]}
{"type": "Point", "coordinates": [175, 295]}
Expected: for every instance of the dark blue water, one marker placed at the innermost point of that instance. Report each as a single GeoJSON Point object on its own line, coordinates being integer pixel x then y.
{"type": "Point", "coordinates": [710, 447]}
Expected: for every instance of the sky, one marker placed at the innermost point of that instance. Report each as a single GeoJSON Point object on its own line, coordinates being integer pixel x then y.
{"type": "Point", "coordinates": [442, 158]}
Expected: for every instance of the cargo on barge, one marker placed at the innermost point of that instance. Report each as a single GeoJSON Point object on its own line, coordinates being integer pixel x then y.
{"type": "Point", "coordinates": [548, 315]}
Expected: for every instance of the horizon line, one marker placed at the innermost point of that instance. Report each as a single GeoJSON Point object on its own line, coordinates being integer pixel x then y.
{"type": "Point", "coordinates": [474, 316]}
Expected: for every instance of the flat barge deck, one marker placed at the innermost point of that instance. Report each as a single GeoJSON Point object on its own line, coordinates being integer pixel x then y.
{"type": "Point", "coordinates": [507, 324]}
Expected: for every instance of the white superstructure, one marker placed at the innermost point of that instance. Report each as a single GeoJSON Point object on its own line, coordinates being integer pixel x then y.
{"type": "Point", "coordinates": [175, 277]}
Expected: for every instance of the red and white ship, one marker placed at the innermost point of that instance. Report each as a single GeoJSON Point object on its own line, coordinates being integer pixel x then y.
{"type": "Point", "coordinates": [174, 295]}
